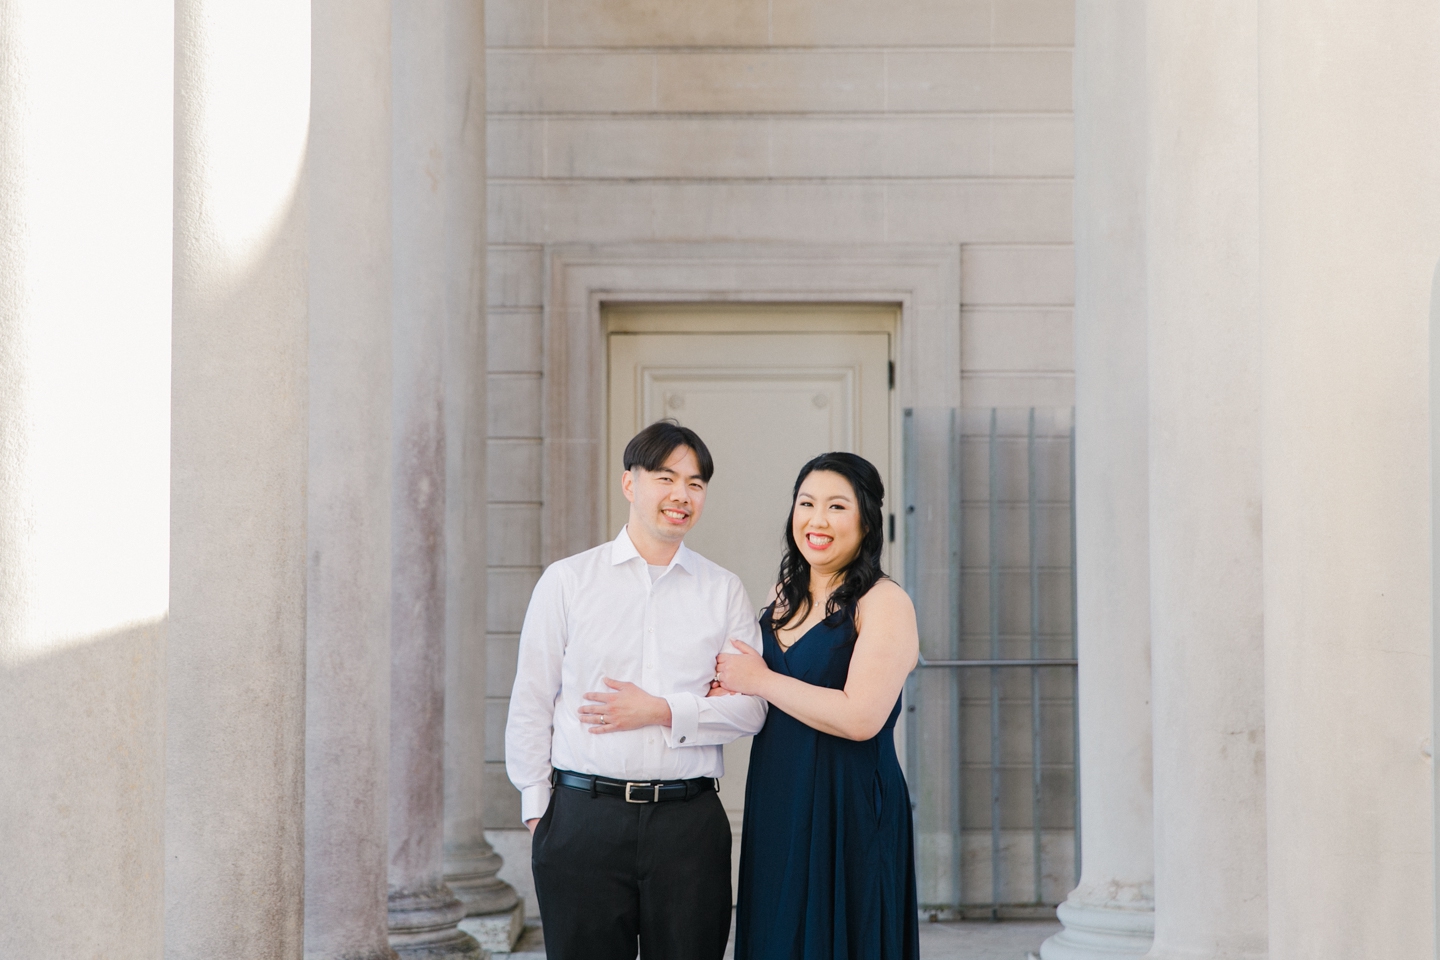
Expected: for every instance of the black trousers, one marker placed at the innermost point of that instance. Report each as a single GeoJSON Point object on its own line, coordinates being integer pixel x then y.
{"type": "Point", "coordinates": [610, 873]}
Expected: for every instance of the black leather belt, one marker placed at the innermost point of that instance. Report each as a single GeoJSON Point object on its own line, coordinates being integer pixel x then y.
{"type": "Point", "coordinates": [635, 791]}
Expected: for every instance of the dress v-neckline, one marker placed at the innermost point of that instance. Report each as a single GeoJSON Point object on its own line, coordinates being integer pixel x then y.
{"type": "Point", "coordinates": [784, 650]}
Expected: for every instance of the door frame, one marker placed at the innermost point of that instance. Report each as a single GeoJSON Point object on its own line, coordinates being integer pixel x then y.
{"type": "Point", "coordinates": [924, 280]}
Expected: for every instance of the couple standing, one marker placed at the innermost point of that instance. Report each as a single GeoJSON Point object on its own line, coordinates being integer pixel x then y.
{"type": "Point", "coordinates": [639, 659]}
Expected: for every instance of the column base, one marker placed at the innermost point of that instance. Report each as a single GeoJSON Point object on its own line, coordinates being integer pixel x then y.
{"type": "Point", "coordinates": [1100, 933]}
{"type": "Point", "coordinates": [497, 932]}
{"type": "Point", "coordinates": [494, 912]}
{"type": "Point", "coordinates": [424, 926]}
{"type": "Point", "coordinates": [470, 872]}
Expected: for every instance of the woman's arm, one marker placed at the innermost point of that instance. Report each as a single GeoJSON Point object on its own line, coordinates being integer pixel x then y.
{"type": "Point", "coordinates": [885, 652]}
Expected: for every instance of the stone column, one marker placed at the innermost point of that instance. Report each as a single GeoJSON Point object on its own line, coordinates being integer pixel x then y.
{"type": "Point", "coordinates": [1109, 914]}
{"type": "Point", "coordinates": [85, 219]}
{"type": "Point", "coordinates": [348, 650]}
{"type": "Point", "coordinates": [235, 721]}
{"type": "Point", "coordinates": [1206, 599]}
{"type": "Point", "coordinates": [424, 912]}
{"type": "Point", "coordinates": [494, 914]}
{"type": "Point", "coordinates": [1350, 232]}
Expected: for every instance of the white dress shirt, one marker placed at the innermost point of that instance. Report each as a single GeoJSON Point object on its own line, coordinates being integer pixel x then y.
{"type": "Point", "coordinates": [598, 614]}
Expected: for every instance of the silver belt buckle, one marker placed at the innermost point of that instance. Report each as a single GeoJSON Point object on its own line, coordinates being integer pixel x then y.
{"type": "Point", "coordinates": [629, 799]}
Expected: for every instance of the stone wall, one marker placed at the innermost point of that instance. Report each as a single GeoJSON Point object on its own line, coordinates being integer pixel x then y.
{"type": "Point", "coordinates": [928, 121]}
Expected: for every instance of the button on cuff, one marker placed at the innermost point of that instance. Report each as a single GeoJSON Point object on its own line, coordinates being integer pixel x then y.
{"type": "Point", "coordinates": [684, 719]}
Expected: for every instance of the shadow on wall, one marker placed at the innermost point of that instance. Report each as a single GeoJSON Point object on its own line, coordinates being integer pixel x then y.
{"type": "Point", "coordinates": [82, 806]}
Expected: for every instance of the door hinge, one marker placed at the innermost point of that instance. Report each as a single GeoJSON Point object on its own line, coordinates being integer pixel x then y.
{"type": "Point", "coordinates": [892, 374]}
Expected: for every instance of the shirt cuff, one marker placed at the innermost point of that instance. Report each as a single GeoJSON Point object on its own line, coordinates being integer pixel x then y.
{"type": "Point", "coordinates": [534, 801]}
{"type": "Point", "coordinates": [684, 719]}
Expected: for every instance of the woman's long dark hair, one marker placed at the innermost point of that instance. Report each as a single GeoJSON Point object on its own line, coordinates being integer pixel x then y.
{"type": "Point", "coordinates": [863, 570]}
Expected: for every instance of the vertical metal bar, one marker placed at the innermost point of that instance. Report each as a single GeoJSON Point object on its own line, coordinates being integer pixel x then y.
{"type": "Point", "coordinates": [1075, 646]}
{"type": "Point", "coordinates": [1033, 524]}
{"type": "Point", "coordinates": [994, 596]}
{"type": "Point", "coordinates": [957, 796]}
{"type": "Point", "coordinates": [909, 463]}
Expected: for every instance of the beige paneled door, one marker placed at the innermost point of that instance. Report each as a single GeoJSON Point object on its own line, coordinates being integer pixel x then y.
{"type": "Point", "coordinates": [767, 388]}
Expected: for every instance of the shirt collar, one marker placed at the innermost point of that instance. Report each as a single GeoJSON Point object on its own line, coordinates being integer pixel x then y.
{"type": "Point", "coordinates": [622, 549]}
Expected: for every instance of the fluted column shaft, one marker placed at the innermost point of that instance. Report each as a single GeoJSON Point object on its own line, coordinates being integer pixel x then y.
{"type": "Point", "coordinates": [235, 723]}
{"type": "Point", "coordinates": [1350, 233]}
{"type": "Point", "coordinates": [1206, 584]}
{"type": "Point", "coordinates": [494, 914]}
{"type": "Point", "coordinates": [424, 911]}
{"type": "Point", "coordinates": [85, 267]}
{"type": "Point", "coordinates": [348, 649]}
{"type": "Point", "coordinates": [1109, 914]}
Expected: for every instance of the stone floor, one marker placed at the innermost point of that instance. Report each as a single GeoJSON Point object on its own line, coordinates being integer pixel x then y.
{"type": "Point", "coordinates": [530, 947]}
{"type": "Point", "coordinates": [1012, 940]}
{"type": "Point", "coordinates": [981, 940]}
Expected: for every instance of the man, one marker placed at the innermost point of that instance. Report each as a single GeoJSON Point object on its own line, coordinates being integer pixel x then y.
{"type": "Point", "coordinates": [611, 740]}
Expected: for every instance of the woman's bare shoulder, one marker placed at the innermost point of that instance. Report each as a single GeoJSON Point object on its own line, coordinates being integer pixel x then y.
{"type": "Point", "coordinates": [887, 607]}
{"type": "Point", "coordinates": [886, 599]}
{"type": "Point", "coordinates": [885, 595]}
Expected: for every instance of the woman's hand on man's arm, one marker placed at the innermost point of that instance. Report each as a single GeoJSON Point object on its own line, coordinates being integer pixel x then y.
{"type": "Point", "coordinates": [744, 671]}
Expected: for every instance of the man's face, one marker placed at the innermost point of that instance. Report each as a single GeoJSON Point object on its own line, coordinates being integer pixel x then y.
{"type": "Point", "coordinates": [665, 503]}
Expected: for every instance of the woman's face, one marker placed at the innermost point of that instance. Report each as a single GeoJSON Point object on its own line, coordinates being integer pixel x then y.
{"type": "Point", "coordinates": [826, 521]}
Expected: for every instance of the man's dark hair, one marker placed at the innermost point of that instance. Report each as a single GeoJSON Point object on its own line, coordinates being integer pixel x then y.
{"type": "Point", "coordinates": [651, 447]}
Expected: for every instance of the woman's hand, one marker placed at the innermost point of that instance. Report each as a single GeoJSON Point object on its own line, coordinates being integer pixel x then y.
{"type": "Point", "coordinates": [743, 672]}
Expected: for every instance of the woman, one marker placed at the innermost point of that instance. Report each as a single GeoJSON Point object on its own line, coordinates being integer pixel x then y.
{"type": "Point", "coordinates": [826, 858]}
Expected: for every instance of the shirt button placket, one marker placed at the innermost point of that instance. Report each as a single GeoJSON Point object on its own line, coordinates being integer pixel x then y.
{"type": "Point", "coordinates": [648, 662]}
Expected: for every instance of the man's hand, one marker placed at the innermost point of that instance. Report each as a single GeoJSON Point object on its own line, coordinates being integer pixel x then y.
{"type": "Point", "coordinates": [628, 708]}
{"type": "Point", "coordinates": [531, 824]}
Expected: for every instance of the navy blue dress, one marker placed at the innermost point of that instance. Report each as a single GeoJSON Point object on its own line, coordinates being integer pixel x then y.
{"type": "Point", "coordinates": [827, 864]}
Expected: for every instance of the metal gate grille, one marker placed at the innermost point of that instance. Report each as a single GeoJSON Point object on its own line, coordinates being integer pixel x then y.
{"type": "Point", "coordinates": [990, 712]}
